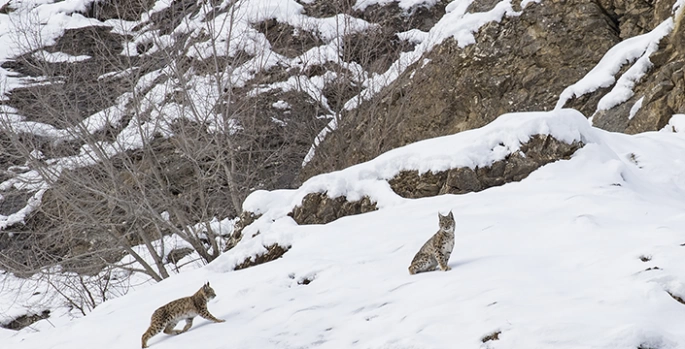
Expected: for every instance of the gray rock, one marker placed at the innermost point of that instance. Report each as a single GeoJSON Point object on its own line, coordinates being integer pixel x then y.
{"type": "Point", "coordinates": [273, 252]}
{"type": "Point", "coordinates": [538, 151]}
{"type": "Point", "coordinates": [318, 208]}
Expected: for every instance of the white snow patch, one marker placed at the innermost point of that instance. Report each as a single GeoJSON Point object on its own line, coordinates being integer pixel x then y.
{"type": "Point", "coordinates": [332, 125]}
{"type": "Point", "coordinates": [603, 74]}
{"type": "Point", "coordinates": [634, 109]}
{"type": "Point", "coordinates": [19, 216]}
{"type": "Point", "coordinates": [525, 3]}
{"type": "Point", "coordinates": [361, 5]}
{"type": "Point", "coordinates": [623, 89]}
{"type": "Point", "coordinates": [678, 7]}
{"type": "Point", "coordinates": [675, 124]}
{"type": "Point", "coordinates": [59, 57]}
{"type": "Point", "coordinates": [413, 35]}
{"type": "Point", "coordinates": [283, 105]}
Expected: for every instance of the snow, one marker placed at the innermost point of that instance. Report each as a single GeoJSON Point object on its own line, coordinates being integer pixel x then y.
{"type": "Point", "coordinates": [675, 124]}
{"type": "Point", "coordinates": [554, 261]}
{"type": "Point", "coordinates": [635, 108]}
{"type": "Point", "coordinates": [59, 57]}
{"type": "Point", "coordinates": [678, 7]}
{"type": "Point", "coordinates": [566, 258]}
{"type": "Point", "coordinates": [473, 148]}
{"type": "Point", "coordinates": [413, 35]}
{"type": "Point", "coordinates": [20, 296]}
{"type": "Point", "coordinates": [35, 24]}
{"type": "Point", "coordinates": [623, 89]}
{"type": "Point", "coordinates": [234, 29]}
{"type": "Point", "coordinates": [462, 26]}
{"type": "Point", "coordinates": [19, 216]}
{"type": "Point", "coordinates": [634, 50]}
{"type": "Point", "coordinates": [280, 104]}
{"type": "Point", "coordinates": [525, 3]}
{"type": "Point", "coordinates": [361, 5]}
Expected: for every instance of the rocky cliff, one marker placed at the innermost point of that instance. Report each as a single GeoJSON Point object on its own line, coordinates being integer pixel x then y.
{"type": "Point", "coordinates": [523, 62]}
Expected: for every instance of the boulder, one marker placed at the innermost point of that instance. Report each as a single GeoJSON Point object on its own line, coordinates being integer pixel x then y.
{"type": "Point", "coordinates": [272, 252]}
{"type": "Point", "coordinates": [246, 218]}
{"type": "Point", "coordinates": [25, 320]}
{"type": "Point", "coordinates": [318, 208]}
{"type": "Point", "coordinates": [538, 151]}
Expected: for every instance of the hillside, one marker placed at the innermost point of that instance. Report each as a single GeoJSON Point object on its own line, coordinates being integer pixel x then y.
{"type": "Point", "coordinates": [141, 140]}
{"type": "Point", "coordinates": [584, 253]}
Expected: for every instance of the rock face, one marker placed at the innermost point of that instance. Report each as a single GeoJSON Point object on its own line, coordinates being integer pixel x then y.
{"type": "Point", "coordinates": [636, 17]}
{"type": "Point", "coordinates": [539, 151]}
{"type": "Point", "coordinates": [520, 64]}
{"type": "Point", "coordinates": [25, 320]}
{"type": "Point", "coordinates": [318, 208]}
{"type": "Point", "coordinates": [659, 94]}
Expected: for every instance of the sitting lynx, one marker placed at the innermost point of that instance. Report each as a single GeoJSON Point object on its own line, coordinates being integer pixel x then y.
{"type": "Point", "coordinates": [437, 250]}
{"type": "Point", "coordinates": [167, 316]}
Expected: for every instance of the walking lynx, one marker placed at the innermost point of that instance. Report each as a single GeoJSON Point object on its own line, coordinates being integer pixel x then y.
{"type": "Point", "coordinates": [437, 250]}
{"type": "Point", "coordinates": [167, 316]}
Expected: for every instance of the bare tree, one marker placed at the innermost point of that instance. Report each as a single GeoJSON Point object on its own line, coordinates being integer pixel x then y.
{"type": "Point", "coordinates": [130, 139]}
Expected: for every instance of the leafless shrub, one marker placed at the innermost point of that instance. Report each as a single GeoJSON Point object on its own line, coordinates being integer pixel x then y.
{"type": "Point", "coordinates": [151, 136]}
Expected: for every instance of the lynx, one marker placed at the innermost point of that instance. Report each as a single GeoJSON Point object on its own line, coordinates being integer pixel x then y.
{"type": "Point", "coordinates": [167, 316]}
{"type": "Point", "coordinates": [437, 250]}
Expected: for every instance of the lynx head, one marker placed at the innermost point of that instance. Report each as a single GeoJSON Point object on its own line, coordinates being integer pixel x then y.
{"type": "Point", "coordinates": [208, 291]}
{"type": "Point", "coordinates": [446, 222]}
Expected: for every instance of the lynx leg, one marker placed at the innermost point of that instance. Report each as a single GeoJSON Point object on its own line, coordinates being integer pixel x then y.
{"type": "Point", "coordinates": [442, 261]}
{"type": "Point", "coordinates": [205, 314]}
{"type": "Point", "coordinates": [149, 334]}
{"type": "Point", "coordinates": [422, 263]}
{"type": "Point", "coordinates": [169, 329]}
{"type": "Point", "coordinates": [189, 324]}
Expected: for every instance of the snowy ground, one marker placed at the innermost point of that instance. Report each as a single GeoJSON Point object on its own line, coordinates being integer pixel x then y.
{"type": "Point", "coordinates": [581, 254]}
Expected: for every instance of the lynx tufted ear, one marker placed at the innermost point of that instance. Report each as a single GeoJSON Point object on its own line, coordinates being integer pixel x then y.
{"type": "Point", "coordinates": [207, 284]}
{"type": "Point", "coordinates": [449, 215]}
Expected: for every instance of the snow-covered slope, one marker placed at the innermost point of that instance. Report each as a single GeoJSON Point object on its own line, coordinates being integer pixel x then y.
{"type": "Point", "coordinates": [581, 254]}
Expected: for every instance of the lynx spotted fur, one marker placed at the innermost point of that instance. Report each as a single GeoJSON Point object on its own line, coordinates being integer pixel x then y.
{"type": "Point", "coordinates": [437, 250]}
{"type": "Point", "coordinates": [167, 316]}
